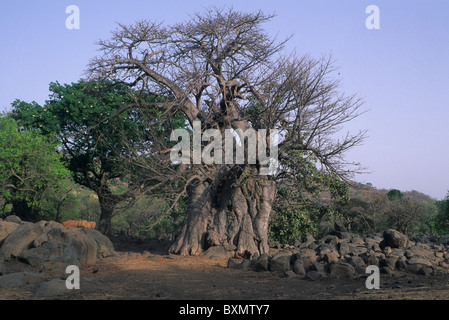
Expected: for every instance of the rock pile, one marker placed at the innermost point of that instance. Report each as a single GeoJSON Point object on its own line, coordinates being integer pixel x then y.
{"type": "Point", "coordinates": [47, 245]}
{"type": "Point", "coordinates": [342, 254]}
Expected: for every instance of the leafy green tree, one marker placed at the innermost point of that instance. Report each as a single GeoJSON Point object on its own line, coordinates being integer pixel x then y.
{"type": "Point", "coordinates": [78, 115]}
{"type": "Point", "coordinates": [304, 206]}
{"type": "Point", "coordinates": [442, 218]}
{"type": "Point", "coordinates": [99, 135]}
{"type": "Point", "coordinates": [30, 166]}
{"type": "Point", "coordinates": [395, 194]}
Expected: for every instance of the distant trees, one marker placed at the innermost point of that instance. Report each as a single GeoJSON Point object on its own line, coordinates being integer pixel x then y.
{"type": "Point", "coordinates": [442, 219]}
{"type": "Point", "coordinates": [394, 194]}
{"type": "Point", "coordinates": [371, 210]}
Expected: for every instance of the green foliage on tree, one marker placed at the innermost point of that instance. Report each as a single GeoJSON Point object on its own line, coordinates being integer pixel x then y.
{"type": "Point", "coordinates": [305, 206]}
{"type": "Point", "coordinates": [442, 218]}
{"type": "Point", "coordinates": [31, 170]}
{"type": "Point", "coordinates": [395, 194]}
{"type": "Point", "coordinates": [84, 118]}
{"type": "Point", "coordinates": [99, 133]}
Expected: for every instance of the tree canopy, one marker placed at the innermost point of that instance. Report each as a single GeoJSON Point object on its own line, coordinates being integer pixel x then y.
{"type": "Point", "coordinates": [223, 70]}
{"type": "Point", "coordinates": [96, 140]}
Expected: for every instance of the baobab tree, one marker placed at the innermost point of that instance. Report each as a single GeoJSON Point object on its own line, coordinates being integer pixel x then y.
{"type": "Point", "coordinates": [222, 69]}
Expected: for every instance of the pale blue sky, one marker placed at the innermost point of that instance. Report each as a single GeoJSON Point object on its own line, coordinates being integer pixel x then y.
{"type": "Point", "coordinates": [401, 71]}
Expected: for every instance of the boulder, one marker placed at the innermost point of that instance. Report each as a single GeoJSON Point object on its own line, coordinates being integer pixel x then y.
{"type": "Point", "coordinates": [281, 264]}
{"type": "Point", "coordinates": [262, 263]}
{"type": "Point", "coordinates": [19, 240]}
{"type": "Point", "coordinates": [85, 246]}
{"type": "Point", "coordinates": [21, 279]}
{"type": "Point", "coordinates": [339, 226]}
{"type": "Point", "coordinates": [215, 252]}
{"type": "Point", "coordinates": [282, 253]}
{"type": "Point", "coordinates": [394, 239]}
{"type": "Point", "coordinates": [358, 263]}
{"type": "Point", "coordinates": [341, 231]}
{"type": "Point", "coordinates": [308, 238]}
{"type": "Point", "coordinates": [325, 248]}
{"type": "Point", "coordinates": [331, 256]}
{"type": "Point", "coordinates": [2, 267]}
{"type": "Point", "coordinates": [298, 267]}
{"type": "Point", "coordinates": [391, 263]}
{"type": "Point", "coordinates": [317, 266]}
{"type": "Point", "coordinates": [52, 255]}
{"type": "Point", "coordinates": [290, 274]}
{"type": "Point", "coordinates": [340, 268]}
{"type": "Point", "coordinates": [315, 275]}
{"type": "Point", "coordinates": [233, 264]}
{"type": "Point", "coordinates": [14, 219]}
{"type": "Point", "coordinates": [52, 288]}
{"type": "Point", "coordinates": [309, 254]}
{"type": "Point", "coordinates": [6, 228]}
{"type": "Point", "coordinates": [419, 260]}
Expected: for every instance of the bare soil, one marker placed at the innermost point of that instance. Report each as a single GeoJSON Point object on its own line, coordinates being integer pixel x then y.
{"type": "Point", "coordinates": [144, 271]}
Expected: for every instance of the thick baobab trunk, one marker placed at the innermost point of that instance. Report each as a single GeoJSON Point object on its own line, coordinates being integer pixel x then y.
{"type": "Point", "coordinates": [224, 213]}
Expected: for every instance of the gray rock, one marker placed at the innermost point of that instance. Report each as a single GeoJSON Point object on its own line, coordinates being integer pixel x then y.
{"type": "Point", "coordinates": [309, 254]}
{"type": "Point", "coordinates": [343, 235]}
{"type": "Point", "coordinates": [386, 270]}
{"type": "Point", "coordinates": [401, 265]}
{"type": "Point", "coordinates": [358, 263]}
{"type": "Point", "coordinates": [427, 271]}
{"type": "Point", "coordinates": [315, 275]}
{"type": "Point", "coordinates": [325, 248]}
{"type": "Point", "coordinates": [357, 241]}
{"type": "Point", "coordinates": [85, 246]}
{"type": "Point", "coordinates": [52, 288]}
{"type": "Point", "coordinates": [317, 266]}
{"type": "Point", "coordinates": [339, 226]}
{"type": "Point", "coordinates": [14, 219]}
{"type": "Point", "coordinates": [21, 279]}
{"type": "Point", "coordinates": [52, 255]}
{"type": "Point", "coordinates": [308, 238]}
{"type": "Point", "coordinates": [6, 228]}
{"type": "Point", "coordinates": [290, 274]}
{"type": "Point", "coordinates": [306, 263]}
{"type": "Point", "coordinates": [357, 250]}
{"type": "Point", "coordinates": [330, 239]}
{"type": "Point", "coordinates": [419, 260]}
{"type": "Point", "coordinates": [281, 264]}
{"type": "Point", "coordinates": [262, 263]}
{"type": "Point", "coordinates": [415, 268]}
{"type": "Point", "coordinates": [39, 241]}
{"type": "Point", "coordinates": [282, 253]}
{"type": "Point", "coordinates": [19, 240]}
{"type": "Point", "coordinates": [394, 239]}
{"type": "Point", "coordinates": [2, 267]}
{"type": "Point", "coordinates": [341, 268]}
{"type": "Point", "coordinates": [330, 257]}
{"type": "Point", "coordinates": [298, 267]}
{"type": "Point", "coordinates": [370, 258]}
{"type": "Point", "coordinates": [391, 263]}
{"type": "Point", "coordinates": [216, 253]}
{"type": "Point", "coordinates": [233, 264]}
